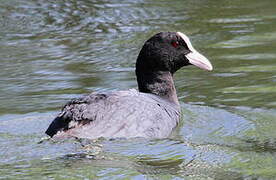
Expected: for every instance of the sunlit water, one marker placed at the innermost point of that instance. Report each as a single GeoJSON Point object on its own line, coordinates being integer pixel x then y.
{"type": "Point", "coordinates": [51, 52]}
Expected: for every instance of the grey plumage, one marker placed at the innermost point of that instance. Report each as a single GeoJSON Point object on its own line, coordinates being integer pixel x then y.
{"type": "Point", "coordinates": [117, 114]}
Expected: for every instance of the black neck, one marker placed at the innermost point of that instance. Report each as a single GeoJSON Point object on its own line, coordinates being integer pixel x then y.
{"type": "Point", "coordinates": [159, 83]}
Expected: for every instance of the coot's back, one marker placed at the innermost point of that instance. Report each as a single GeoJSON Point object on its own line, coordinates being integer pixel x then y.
{"type": "Point", "coordinates": [117, 114]}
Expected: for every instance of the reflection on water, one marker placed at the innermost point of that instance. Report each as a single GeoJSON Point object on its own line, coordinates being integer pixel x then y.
{"type": "Point", "coordinates": [54, 51]}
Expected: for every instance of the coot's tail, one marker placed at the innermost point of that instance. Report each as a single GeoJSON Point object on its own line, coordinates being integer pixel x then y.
{"type": "Point", "coordinates": [59, 123]}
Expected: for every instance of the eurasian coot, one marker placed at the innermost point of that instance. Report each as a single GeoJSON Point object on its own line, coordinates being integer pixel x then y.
{"type": "Point", "coordinates": [151, 112]}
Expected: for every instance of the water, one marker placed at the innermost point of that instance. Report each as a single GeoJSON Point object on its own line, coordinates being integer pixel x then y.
{"type": "Point", "coordinates": [51, 52]}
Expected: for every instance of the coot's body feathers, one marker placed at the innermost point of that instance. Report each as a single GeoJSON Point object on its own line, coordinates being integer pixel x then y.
{"type": "Point", "coordinates": [151, 112]}
{"type": "Point", "coordinates": [117, 114]}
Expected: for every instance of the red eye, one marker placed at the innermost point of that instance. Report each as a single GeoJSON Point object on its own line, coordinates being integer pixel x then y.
{"type": "Point", "coordinates": [175, 44]}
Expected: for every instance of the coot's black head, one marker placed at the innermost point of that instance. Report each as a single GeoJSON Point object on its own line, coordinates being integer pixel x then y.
{"type": "Point", "coordinates": [169, 51]}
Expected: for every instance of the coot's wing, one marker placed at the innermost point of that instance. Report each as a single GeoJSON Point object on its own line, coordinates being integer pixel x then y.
{"type": "Point", "coordinates": [77, 112]}
{"type": "Point", "coordinates": [118, 114]}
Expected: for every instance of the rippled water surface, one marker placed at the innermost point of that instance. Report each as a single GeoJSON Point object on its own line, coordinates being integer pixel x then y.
{"type": "Point", "coordinates": [52, 51]}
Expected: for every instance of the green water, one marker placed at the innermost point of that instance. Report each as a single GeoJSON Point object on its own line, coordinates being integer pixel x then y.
{"type": "Point", "coordinates": [52, 51]}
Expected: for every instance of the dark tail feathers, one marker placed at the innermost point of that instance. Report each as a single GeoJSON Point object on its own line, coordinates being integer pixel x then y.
{"type": "Point", "coordinates": [59, 123]}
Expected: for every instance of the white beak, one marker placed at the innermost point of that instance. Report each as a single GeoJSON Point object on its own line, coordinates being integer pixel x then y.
{"type": "Point", "coordinates": [195, 57]}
